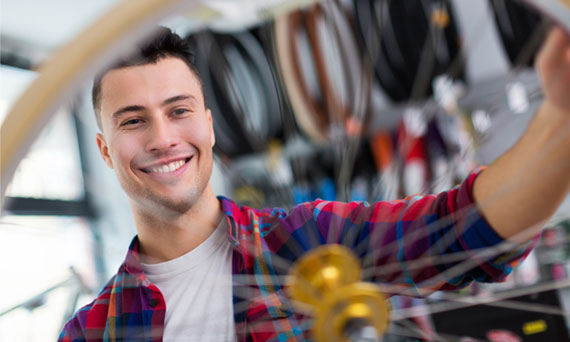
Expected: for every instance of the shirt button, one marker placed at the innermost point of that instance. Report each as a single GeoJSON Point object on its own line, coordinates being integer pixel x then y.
{"type": "Point", "coordinates": [153, 302]}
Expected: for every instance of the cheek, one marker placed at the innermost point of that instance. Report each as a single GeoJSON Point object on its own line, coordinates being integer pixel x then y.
{"type": "Point", "coordinates": [197, 134]}
{"type": "Point", "coordinates": [122, 152]}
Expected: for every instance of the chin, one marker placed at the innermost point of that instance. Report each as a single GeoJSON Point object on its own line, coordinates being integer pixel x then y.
{"type": "Point", "coordinates": [159, 204]}
{"type": "Point", "coordinates": [162, 206]}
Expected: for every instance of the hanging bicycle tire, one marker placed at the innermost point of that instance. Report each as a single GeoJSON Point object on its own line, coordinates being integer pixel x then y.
{"type": "Point", "coordinates": [321, 68]}
{"type": "Point", "coordinates": [240, 89]}
{"type": "Point", "coordinates": [518, 25]}
{"type": "Point", "coordinates": [410, 42]}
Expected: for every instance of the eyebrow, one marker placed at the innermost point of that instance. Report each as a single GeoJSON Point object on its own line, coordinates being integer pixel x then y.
{"type": "Point", "coordinates": [177, 98]}
{"type": "Point", "coordinates": [137, 108]}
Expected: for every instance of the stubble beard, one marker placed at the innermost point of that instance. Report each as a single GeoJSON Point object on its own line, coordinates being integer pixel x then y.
{"type": "Point", "coordinates": [160, 203]}
{"type": "Point", "coordinates": [156, 204]}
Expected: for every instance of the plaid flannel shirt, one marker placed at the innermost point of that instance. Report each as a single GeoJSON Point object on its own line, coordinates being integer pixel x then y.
{"type": "Point", "coordinates": [393, 239]}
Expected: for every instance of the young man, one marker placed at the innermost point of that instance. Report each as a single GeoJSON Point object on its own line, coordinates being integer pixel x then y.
{"type": "Point", "coordinates": [204, 269]}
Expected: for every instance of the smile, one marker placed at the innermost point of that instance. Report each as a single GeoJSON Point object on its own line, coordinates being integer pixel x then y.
{"type": "Point", "coordinates": [167, 168]}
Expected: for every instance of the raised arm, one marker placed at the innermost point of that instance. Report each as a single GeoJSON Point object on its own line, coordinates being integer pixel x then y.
{"type": "Point", "coordinates": [525, 186]}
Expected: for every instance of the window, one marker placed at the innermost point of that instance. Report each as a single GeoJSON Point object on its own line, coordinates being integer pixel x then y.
{"type": "Point", "coordinates": [45, 239]}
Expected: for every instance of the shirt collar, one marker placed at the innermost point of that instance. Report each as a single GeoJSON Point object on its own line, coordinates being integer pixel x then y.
{"type": "Point", "coordinates": [132, 263]}
{"type": "Point", "coordinates": [232, 212]}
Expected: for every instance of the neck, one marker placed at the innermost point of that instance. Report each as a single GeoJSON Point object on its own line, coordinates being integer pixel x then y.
{"type": "Point", "coordinates": [164, 235]}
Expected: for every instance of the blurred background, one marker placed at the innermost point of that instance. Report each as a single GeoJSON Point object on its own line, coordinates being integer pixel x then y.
{"type": "Point", "coordinates": [360, 100]}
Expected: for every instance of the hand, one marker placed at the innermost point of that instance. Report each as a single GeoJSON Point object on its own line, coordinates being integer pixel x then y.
{"type": "Point", "coordinates": [553, 64]}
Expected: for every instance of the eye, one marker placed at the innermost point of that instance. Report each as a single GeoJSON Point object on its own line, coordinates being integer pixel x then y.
{"type": "Point", "coordinates": [131, 122]}
{"type": "Point", "coordinates": [179, 111]}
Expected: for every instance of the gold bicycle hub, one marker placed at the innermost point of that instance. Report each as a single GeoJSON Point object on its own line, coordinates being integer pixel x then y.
{"type": "Point", "coordinates": [326, 281]}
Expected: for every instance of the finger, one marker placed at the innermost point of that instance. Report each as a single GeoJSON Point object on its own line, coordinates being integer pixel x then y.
{"type": "Point", "coordinates": [555, 49]}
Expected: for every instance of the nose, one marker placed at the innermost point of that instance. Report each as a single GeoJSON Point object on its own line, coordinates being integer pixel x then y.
{"type": "Point", "coordinates": [161, 136]}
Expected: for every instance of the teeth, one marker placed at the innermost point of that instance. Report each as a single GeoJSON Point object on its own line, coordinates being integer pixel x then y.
{"type": "Point", "coordinates": [170, 167]}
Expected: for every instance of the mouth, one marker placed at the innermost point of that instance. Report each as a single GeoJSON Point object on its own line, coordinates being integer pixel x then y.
{"type": "Point", "coordinates": [170, 167]}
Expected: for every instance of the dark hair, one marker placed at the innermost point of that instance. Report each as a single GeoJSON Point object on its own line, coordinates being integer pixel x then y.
{"type": "Point", "coordinates": [162, 44]}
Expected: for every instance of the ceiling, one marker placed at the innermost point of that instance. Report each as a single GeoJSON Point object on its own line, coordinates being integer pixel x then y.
{"type": "Point", "coordinates": [42, 26]}
{"type": "Point", "coordinates": [45, 25]}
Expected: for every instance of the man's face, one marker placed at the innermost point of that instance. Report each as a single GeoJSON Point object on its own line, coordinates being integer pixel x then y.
{"type": "Point", "coordinates": [157, 134]}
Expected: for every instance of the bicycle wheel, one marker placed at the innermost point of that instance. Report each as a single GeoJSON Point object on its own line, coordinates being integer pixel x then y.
{"type": "Point", "coordinates": [433, 120]}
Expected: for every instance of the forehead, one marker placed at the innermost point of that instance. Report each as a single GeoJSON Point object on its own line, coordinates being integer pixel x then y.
{"type": "Point", "coordinates": [148, 84]}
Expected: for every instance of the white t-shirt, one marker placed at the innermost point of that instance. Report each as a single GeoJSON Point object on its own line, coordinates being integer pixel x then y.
{"type": "Point", "coordinates": [197, 288]}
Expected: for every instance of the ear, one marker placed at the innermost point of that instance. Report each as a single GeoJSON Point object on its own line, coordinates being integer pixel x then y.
{"type": "Point", "coordinates": [104, 150]}
{"type": "Point", "coordinates": [212, 135]}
